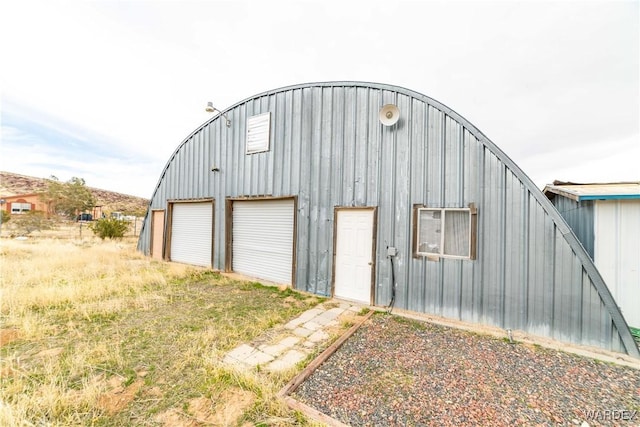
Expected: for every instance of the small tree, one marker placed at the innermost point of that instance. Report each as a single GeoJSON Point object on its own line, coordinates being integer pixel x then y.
{"type": "Point", "coordinates": [109, 228]}
{"type": "Point", "coordinates": [67, 198]}
{"type": "Point", "coordinates": [30, 222]}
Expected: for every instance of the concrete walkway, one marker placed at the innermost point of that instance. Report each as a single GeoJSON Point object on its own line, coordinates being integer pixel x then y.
{"type": "Point", "coordinates": [280, 348]}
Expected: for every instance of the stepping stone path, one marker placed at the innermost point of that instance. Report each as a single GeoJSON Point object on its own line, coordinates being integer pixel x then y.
{"type": "Point", "coordinates": [282, 347]}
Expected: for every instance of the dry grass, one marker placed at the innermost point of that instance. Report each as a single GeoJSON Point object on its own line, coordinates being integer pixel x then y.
{"type": "Point", "coordinates": [93, 333]}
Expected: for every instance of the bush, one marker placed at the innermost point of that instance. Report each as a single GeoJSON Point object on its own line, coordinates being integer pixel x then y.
{"type": "Point", "coordinates": [109, 228]}
{"type": "Point", "coordinates": [5, 216]}
{"type": "Point", "coordinates": [25, 224]}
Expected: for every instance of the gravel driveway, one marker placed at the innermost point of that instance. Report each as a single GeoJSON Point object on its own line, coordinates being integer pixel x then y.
{"type": "Point", "coordinates": [399, 372]}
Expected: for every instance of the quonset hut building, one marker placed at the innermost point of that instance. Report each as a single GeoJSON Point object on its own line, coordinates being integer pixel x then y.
{"type": "Point", "coordinates": [376, 193]}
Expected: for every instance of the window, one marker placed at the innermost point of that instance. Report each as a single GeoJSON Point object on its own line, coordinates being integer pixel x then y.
{"type": "Point", "coordinates": [19, 208]}
{"type": "Point", "coordinates": [445, 232]}
{"type": "Point", "coordinates": [258, 129]}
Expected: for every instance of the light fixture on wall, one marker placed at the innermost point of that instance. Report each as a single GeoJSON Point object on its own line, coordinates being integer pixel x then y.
{"type": "Point", "coordinates": [210, 109]}
{"type": "Point", "coordinates": [389, 115]}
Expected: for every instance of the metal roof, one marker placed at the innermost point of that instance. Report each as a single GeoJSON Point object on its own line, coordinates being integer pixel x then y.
{"type": "Point", "coordinates": [594, 191]}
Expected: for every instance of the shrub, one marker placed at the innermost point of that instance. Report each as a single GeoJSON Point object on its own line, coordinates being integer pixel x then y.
{"type": "Point", "coordinates": [111, 228]}
{"type": "Point", "coordinates": [5, 216]}
{"type": "Point", "coordinates": [26, 224]}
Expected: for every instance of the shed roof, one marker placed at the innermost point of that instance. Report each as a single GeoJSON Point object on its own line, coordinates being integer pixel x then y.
{"type": "Point", "coordinates": [594, 191]}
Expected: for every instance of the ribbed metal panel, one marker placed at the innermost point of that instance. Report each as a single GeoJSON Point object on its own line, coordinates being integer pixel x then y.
{"type": "Point", "coordinates": [328, 149]}
{"type": "Point", "coordinates": [579, 216]}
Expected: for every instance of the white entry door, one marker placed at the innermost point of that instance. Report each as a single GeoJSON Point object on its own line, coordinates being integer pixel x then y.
{"type": "Point", "coordinates": [354, 254]}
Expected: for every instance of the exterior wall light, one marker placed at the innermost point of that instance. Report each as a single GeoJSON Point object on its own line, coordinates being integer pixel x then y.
{"type": "Point", "coordinates": [210, 109]}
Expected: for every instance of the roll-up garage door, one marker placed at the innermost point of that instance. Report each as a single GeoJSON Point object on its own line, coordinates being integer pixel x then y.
{"type": "Point", "coordinates": [191, 233]}
{"type": "Point", "coordinates": [263, 239]}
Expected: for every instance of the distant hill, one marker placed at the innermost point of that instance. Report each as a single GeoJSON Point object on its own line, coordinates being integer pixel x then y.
{"type": "Point", "coordinates": [12, 184]}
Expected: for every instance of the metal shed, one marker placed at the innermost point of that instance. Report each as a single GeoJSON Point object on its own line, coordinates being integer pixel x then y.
{"type": "Point", "coordinates": [606, 219]}
{"type": "Point", "coordinates": [353, 187]}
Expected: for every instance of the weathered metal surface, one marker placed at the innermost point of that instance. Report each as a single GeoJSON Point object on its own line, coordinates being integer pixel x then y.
{"type": "Point", "coordinates": [329, 149]}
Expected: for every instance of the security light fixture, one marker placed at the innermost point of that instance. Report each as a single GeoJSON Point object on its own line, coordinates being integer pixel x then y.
{"type": "Point", "coordinates": [210, 109]}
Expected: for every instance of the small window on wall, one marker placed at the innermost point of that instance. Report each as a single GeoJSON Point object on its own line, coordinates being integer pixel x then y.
{"type": "Point", "coordinates": [445, 232]}
{"type": "Point", "coordinates": [258, 131]}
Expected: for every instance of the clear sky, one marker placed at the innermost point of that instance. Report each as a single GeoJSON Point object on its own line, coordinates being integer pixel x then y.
{"type": "Point", "coordinates": [107, 90]}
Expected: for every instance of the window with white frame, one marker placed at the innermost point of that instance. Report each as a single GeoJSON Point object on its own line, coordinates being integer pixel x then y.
{"type": "Point", "coordinates": [19, 208]}
{"type": "Point", "coordinates": [445, 232]}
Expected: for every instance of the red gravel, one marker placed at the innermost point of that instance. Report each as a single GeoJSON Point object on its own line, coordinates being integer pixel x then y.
{"type": "Point", "coordinates": [399, 372]}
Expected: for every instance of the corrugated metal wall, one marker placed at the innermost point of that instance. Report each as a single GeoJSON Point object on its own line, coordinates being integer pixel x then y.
{"type": "Point", "coordinates": [329, 149]}
{"type": "Point", "coordinates": [579, 216]}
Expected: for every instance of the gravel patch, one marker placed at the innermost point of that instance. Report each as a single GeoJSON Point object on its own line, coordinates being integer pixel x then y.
{"type": "Point", "coordinates": [399, 372]}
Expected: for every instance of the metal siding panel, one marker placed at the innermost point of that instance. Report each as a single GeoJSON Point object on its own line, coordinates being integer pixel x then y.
{"type": "Point", "coordinates": [514, 303]}
{"type": "Point", "coordinates": [279, 145]}
{"type": "Point", "coordinates": [435, 142]}
{"type": "Point", "coordinates": [401, 192]}
{"type": "Point", "coordinates": [385, 191]}
{"type": "Point", "coordinates": [292, 112]}
{"type": "Point", "coordinates": [189, 176]}
{"type": "Point", "coordinates": [563, 280]}
{"type": "Point", "coordinates": [267, 158]}
{"type": "Point", "coordinates": [244, 173]}
{"type": "Point", "coordinates": [452, 169]}
{"type": "Point", "coordinates": [551, 260]}
{"type": "Point", "coordinates": [416, 266]}
{"type": "Point", "coordinates": [317, 118]}
{"type": "Point", "coordinates": [480, 153]}
{"type": "Point", "coordinates": [535, 297]}
{"type": "Point", "coordinates": [373, 133]}
{"type": "Point", "coordinates": [579, 216]}
{"type": "Point", "coordinates": [353, 138]}
{"type": "Point", "coordinates": [324, 239]}
{"type": "Point", "coordinates": [263, 239]}
{"type": "Point", "coordinates": [467, 294]}
{"type": "Point", "coordinates": [304, 224]}
{"type": "Point", "coordinates": [471, 163]}
{"type": "Point", "coordinates": [433, 290]}
{"type": "Point", "coordinates": [493, 242]}
{"type": "Point", "coordinates": [204, 164]}
{"type": "Point", "coordinates": [591, 307]}
{"type": "Point", "coordinates": [451, 289]}
{"type": "Point", "coordinates": [342, 110]}
{"type": "Point", "coordinates": [221, 148]}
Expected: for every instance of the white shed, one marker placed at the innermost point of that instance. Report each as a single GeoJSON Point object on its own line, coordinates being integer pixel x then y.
{"type": "Point", "coordinates": [606, 219]}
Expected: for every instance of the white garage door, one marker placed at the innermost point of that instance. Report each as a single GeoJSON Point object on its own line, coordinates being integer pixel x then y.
{"type": "Point", "coordinates": [263, 239]}
{"type": "Point", "coordinates": [191, 233]}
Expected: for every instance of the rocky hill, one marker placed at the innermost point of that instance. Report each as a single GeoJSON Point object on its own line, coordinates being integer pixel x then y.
{"type": "Point", "coordinates": [12, 184]}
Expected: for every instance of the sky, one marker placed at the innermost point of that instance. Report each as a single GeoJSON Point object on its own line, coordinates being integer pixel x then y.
{"type": "Point", "coordinates": [107, 90]}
